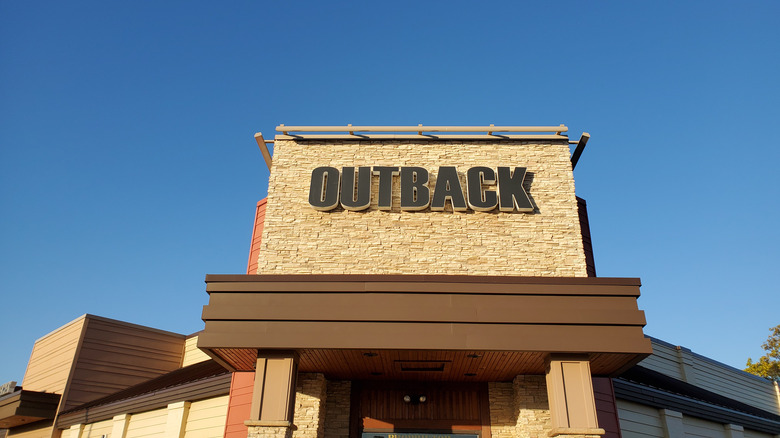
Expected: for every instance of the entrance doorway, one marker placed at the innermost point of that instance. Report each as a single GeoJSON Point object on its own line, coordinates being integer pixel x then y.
{"type": "Point", "coordinates": [409, 409]}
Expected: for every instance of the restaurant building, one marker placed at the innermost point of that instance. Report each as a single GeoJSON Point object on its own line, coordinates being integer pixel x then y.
{"type": "Point", "coordinates": [403, 282]}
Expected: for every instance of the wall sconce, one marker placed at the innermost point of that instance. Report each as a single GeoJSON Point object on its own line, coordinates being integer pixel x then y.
{"type": "Point", "coordinates": [415, 399]}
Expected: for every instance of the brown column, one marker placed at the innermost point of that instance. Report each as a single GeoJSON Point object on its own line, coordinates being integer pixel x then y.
{"type": "Point", "coordinates": [273, 397]}
{"type": "Point", "coordinates": [570, 391]}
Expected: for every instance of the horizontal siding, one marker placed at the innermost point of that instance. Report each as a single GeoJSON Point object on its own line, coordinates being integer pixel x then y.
{"type": "Point", "coordinates": [697, 428]}
{"type": "Point", "coordinates": [713, 376]}
{"type": "Point", "coordinates": [735, 384]}
{"type": "Point", "coordinates": [207, 418]}
{"type": "Point", "coordinates": [606, 410]}
{"type": "Point", "coordinates": [148, 424]}
{"type": "Point", "coordinates": [52, 357]}
{"type": "Point", "coordinates": [202, 389]}
{"type": "Point", "coordinates": [754, 434]}
{"type": "Point", "coordinates": [664, 360]}
{"type": "Point", "coordinates": [639, 421]}
{"type": "Point", "coordinates": [192, 354]}
{"type": "Point", "coordinates": [257, 234]}
{"type": "Point", "coordinates": [40, 430]}
{"type": "Point", "coordinates": [241, 387]}
{"type": "Point", "coordinates": [96, 430]}
{"type": "Point", "coordinates": [116, 355]}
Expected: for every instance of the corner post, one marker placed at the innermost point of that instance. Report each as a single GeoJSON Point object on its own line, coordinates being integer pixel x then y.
{"type": "Point", "coordinates": [273, 397]}
{"type": "Point", "coordinates": [570, 392]}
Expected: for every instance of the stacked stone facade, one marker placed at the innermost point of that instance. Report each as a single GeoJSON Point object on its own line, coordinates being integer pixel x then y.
{"type": "Point", "coordinates": [519, 409]}
{"type": "Point", "coordinates": [309, 415]}
{"type": "Point", "coordinates": [297, 239]}
{"type": "Point", "coordinates": [337, 409]}
{"type": "Point", "coordinates": [257, 431]}
{"type": "Point", "coordinates": [310, 401]}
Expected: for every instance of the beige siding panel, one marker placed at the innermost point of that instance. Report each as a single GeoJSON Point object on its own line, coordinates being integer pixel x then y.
{"type": "Point", "coordinates": [207, 418]}
{"type": "Point", "coordinates": [148, 424]}
{"type": "Point", "coordinates": [697, 428]}
{"type": "Point", "coordinates": [735, 384]}
{"type": "Point", "coordinates": [192, 354]}
{"type": "Point", "coordinates": [639, 421]}
{"type": "Point", "coordinates": [52, 357]}
{"type": "Point", "coordinates": [115, 355]}
{"type": "Point", "coordinates": [753, 434]}
{"type": "Point", "coordinates": [96, 430]}
{"type": "Point", "coordinates": [664, 360]}
{"type": "Point", "coordinates": [716, 377]}
{"type": "Point", "coordinates": [31, 431]}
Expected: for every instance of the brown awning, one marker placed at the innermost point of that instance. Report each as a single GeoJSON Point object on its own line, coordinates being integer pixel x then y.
{"type": "Point", "coordinates": [319, 315]}
{"type": "Point", "coordinates": [24, 407]}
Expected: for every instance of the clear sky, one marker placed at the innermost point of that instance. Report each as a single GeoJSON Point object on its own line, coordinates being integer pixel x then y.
{"type": "Point", "coordinates": [129, 168]}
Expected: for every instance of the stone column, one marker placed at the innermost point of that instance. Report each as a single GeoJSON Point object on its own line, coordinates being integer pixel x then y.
{"type": "Point", "coordinates": [531, 406]}
{"type": "Point", "coordinates": [570, 393]}
{"type": "Point", "coordinates": [337, 408]}
{"type": "Point", "coordinates": [310, 400]}
{"type": "Point", "coordinates": [273, 397]}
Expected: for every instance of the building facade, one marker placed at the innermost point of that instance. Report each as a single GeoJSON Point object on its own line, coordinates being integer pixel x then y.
{"type": "Point", "coordinates": [403, 282]}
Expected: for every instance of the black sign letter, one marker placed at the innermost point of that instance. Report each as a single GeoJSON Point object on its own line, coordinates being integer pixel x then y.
{"type": "Point", "coordinates": [511, 193]}
{"type": "Point", "coordinates": [415, 194]}
{"type": "Point", "coordinates": [385, 185]}
{"type": "Point", "coordinates": [349, 199]}
{"type": "Point", "coordinates": [448, 188]}
{"type": "Point", "coordinates": [324, 189]}
{"type": "Point", "coordinates": [480, 199]}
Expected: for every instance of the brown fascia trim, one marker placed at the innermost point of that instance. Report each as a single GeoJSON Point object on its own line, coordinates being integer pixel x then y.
{"type": "Point", "coordinates": [89, 316]}
{"type": "Point", "coordinates": [423, 284]}
{"type": "Point", "coordinates": [210, 387]}
{"type": "Point", "coordinates": [195, 382]}
{"type": "Point", "coordinates": [400, 278]}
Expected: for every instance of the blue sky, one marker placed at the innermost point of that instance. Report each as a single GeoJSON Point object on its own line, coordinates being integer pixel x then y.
{"type": "Point", "coordinates": [129, 168]}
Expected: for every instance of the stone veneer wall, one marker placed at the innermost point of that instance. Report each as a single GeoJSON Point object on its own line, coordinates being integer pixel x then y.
{"type": "Point", "coordinates": [503, 418]}
{"type": "Point", "coordinates": [268, 432]}
{"type": "Point", "coordinates": [310, 402]}
{"type": "Point", "coordinates": [521, 409]}
{"type": "Point", "coordinates": [308, 419]}
{"type": "Point", "coordinates": [337, 409]}
{"type": "Point", "coordinates": [297, 239]}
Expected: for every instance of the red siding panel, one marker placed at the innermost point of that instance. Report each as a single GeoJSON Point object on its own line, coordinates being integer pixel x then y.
{"type": "Point", "coordinates": [606, 409]}
{"type": "Point", "coordinates": [587, 243]}
{"type": "Point", "coordinates": [239, 404]}
{"type": "Point", "coordinates": [257, 235]}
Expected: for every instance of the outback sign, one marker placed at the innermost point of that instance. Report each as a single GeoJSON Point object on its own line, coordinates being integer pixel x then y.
{"type": "Point", "coordinates": [486, 189]}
